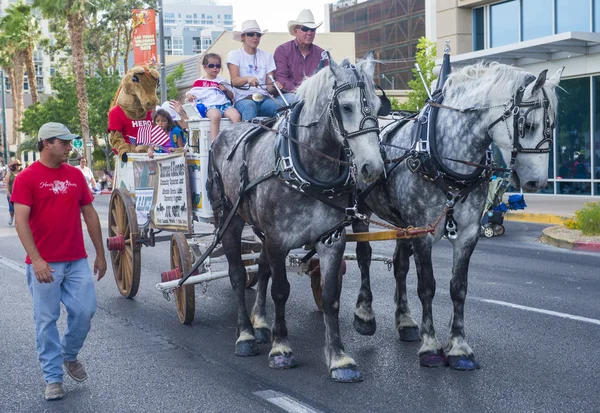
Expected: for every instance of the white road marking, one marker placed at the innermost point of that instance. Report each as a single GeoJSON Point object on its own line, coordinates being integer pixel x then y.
{"type": "Point", "coordinates": [13, 265]}
{"type": "Point", "coordinates": [542, 311]}
{"type": "Point", "coordinates": [284, 402]}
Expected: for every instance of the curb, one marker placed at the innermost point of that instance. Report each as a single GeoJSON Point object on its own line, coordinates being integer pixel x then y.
{"type": "Point", "coordinates": [535, 218]}
{"type": "Point", "coordinates": [578, 245]}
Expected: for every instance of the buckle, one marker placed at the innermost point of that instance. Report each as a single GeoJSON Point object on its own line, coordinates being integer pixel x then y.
{"type": "Point", "coordinates": [286, 162]}
{"type": "Point", "coordinates": [350, 212]}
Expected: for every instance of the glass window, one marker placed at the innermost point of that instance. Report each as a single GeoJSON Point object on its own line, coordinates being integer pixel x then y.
{"type": "Point", "coordinates": [572, 16]}
{"type": "Point", "coordinates": [479, 29]}
{"type": "Point", "coordinates": [504, 24]}
{"type": "Point", "coordinates": [596, 141]}
{"type": "Point", "coordinates": [177, 43]}
{"type": "Point", "coordinates": [536, 19]}
{"type": "Point", "coordinates": [596, 19]}
{"type": "Point", "coordinates": [573, 132]}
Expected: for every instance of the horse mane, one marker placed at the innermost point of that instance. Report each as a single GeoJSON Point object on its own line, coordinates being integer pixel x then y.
{"type": "Point", "coordinates": [311, 90]}
{"type": "Point", "coordinates": [500, 79]}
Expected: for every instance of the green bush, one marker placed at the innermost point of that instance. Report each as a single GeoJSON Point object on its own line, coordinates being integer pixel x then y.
{"type": "Point", "coordinates": [587, 219]}
{"type": "Point", "coordinates": [99, 165]}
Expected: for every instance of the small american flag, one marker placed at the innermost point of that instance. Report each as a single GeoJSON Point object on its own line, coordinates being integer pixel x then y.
{"type": "Point", "coordinates": [154, 136]}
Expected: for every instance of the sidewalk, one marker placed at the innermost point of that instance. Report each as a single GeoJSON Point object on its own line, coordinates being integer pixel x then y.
{"type": "Point", "coordinates": [554, 209]}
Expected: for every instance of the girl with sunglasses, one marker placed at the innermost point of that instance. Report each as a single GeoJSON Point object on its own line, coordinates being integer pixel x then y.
{"type": "Point", "coordinates": [250, 69]}
{"type": "Point", "coordinates": [213, 92]}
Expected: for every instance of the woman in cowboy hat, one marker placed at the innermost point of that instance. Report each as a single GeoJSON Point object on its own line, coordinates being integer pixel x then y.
{"type": "Point", "coordinates": [13, 170]}
{"type": "Point", "coordinates": [299, 57]}
{"type": "Point", "coordinates": [250, 69]}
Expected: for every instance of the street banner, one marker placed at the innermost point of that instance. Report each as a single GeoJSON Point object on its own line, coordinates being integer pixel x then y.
{"type": "Point", "coordinates": [143, 37]}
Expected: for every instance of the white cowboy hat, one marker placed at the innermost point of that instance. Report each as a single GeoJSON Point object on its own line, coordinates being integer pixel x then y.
{"type": "Point", "coordinates": [249, 26]}
{"type": "Point", "coordinates": [305, 18]}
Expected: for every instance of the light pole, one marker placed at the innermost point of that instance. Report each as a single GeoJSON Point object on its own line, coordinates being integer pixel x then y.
{"type": "Point", "coordinates": [4, 137]}
{"type": "Point", "coordinates": [161, 35]}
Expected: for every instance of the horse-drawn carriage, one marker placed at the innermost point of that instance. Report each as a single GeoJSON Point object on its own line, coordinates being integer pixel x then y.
{"type": "Point", "coordinates": [297, 181]}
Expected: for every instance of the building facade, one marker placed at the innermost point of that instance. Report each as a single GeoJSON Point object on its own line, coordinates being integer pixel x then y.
{"type": "Point", "coordinates": [391, 28]}
{"type": "Point", "coordinates": [191, 26]}
{"type": "Point", "coordinates": [537, 35]}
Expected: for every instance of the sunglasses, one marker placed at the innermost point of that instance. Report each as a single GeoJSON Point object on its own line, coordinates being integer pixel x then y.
{"type": "Point", "coordinates": [253, 34]}
{"type": "Point", "coordinates": [212, 65]}
{"type": "Point", "coordinates": [306, 29]}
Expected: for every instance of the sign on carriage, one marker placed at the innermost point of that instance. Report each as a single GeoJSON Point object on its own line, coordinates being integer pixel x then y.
{"type": "Point", "coordinates": [143, 35]}
{"type": "Point", "coordinates": [161, 190]}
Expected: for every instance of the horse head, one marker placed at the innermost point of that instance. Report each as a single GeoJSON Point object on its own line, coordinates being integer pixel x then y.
{"type": "Point", "coordinates": [516, 111]}
{"type": "Point", "coordinates": [141, 83]}
{"type": "Point", "coordinates": [354, 107]}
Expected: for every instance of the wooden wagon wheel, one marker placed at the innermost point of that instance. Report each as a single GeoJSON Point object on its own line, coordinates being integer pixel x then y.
{"type": "Point", "coordinates": [314, 272]}
{"type": "Point", "coordinates": [122, 236]}
{"type": "Point", "coordinates": [185, 297]}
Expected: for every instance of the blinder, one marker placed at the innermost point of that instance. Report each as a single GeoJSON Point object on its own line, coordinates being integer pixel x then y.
{"type": "Point", "coordinates": [365, 109]}
{"type": "Point", "coordinates": [386, 106]}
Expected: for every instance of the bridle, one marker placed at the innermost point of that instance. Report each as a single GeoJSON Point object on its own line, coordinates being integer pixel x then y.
{"type": "Point", "coordinates": [518, 133]}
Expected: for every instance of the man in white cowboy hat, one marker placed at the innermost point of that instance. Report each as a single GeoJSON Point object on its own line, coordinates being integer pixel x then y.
{"type": "Point", "coordinates": [250, 69]}
{"type": "Point", "coordinates": [299, 57]}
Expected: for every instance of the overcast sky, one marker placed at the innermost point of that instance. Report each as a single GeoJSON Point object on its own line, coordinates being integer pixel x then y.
{"type": "Point", "coordinates": [274, 15]}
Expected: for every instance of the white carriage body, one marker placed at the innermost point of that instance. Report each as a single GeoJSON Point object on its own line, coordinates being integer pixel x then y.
{"type": "Point", "coordinates": [194, 180]}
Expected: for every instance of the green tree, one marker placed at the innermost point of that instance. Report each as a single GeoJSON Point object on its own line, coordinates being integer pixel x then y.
{"type": "Point", "coordinates": [426, 53]}
{"type": "Point", "coordinates": [171, 80]}
{"type": "Point", "coordinates": [74, 11]}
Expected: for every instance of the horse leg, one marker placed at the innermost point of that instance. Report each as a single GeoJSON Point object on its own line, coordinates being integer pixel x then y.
{"type": "Point", "coordinates": [364, 317]}
{"type": "Point", "coordinates": [460, 355]}
{"type": "Point", "coordinates": [281, 355]}
{"type": "Point", "coordinates": [342, 368]}
{"type": "Point", "coordinates": [431, 353]}
{"type": "Point", "coordinates": [405, 324]}
{"type": "Point", "coordinates": [232, 245]}
{"type": "Point", "coordinates": [262, 331]}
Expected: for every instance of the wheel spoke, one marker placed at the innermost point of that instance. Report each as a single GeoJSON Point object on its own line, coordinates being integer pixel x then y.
{"type": "Point", "coordinates": [115, 218]}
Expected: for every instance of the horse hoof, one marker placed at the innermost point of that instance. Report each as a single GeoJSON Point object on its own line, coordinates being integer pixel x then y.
{"type": "Point", "coordinates": [348, 374]}
{"type": "Point", "coordinates": [365, 328]}
{"type": "Point", "coordinates": [409, 333]}
{"type": "Point", "coordinates": [463, 363]}
{"type": "Point", "coordinates": [246, 348]}
{"type": "Point", "coordinates": [433, 359]}
{"type": "Point", "coordinates": [262, 335]}
{"type": "Point", "coordinates": [282, 361]}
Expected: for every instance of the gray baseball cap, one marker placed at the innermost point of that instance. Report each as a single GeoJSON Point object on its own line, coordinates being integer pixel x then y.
{"type": "Point", "coordinates": [56, 130]}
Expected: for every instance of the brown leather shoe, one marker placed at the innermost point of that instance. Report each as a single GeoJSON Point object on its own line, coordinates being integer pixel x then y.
{"type": "Point", "coordinates": [54, 391]}
{"type": "Point", "coordinates": [76, 370]}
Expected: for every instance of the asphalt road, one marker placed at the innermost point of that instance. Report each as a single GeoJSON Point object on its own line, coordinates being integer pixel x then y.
{"type": "Point", "coordinates": [532, 318]}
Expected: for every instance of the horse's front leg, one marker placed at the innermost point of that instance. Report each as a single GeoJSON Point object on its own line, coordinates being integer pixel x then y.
{"type": "Point", "coordinates": [246, 343]}
{"type": "Point", "coordinates": [281, 355]}
{"type": "Point", "coordinates": [431, 353]}
{"type": "Point", "coordinates": [342, 368]}
{"type": "Point", "coordinates": [405, 324]}
{"type": "Point", "coordinates": [364, 317]}
{"type": "Point", "coordinates": [460, 355]}
{"type": "Point", "coordinates": [262, 331]}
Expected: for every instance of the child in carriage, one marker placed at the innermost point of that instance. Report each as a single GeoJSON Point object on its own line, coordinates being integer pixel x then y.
{"type": "Point", "coordinates": [213, 95]}
{"type": "Point", "coordinates": [174, 138]}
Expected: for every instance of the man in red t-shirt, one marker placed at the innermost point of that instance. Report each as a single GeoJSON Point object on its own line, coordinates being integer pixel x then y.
{"type": "Point", "coordinates": [49, 197]}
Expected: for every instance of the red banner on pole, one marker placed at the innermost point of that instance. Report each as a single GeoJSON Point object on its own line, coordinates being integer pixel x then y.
{"type": "Point", "coordinates": [143, 36]}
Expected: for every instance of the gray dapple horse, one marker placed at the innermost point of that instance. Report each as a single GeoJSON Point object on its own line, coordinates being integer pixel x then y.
{"type": "Point", "coordinates": [337, 117]}
{"type": "Point", "coordinates": [507, 106]}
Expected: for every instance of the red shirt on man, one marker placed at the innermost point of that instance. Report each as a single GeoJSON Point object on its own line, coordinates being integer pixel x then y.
{"type": "Point", "coordinates": [55, 197]}
{"type": "Point", "coordinates": [131, 129]}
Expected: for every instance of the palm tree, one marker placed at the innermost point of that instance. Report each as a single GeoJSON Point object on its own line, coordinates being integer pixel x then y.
{"type": "Point", "coordinates": [74, 12]}
{"type": "Point", "coordinates": [31, 34]}
{"type": "Point", "coordinates": [13, 61]}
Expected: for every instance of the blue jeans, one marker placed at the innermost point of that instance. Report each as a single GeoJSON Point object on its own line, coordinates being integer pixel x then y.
{"type": "Point", "coordinates": [74, 286]}
{"type": "Point", "coordinates": [250, 109]}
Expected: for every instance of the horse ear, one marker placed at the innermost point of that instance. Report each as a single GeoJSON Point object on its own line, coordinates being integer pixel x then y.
{"type": "Point", "coordinates": [555, 80]}
{"type": "Point", "coordinates": [335, 68]}
{"type": "Point", "coordinates": [541, 79]}
{"type": "Point", "coordinates": [368, 64]}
